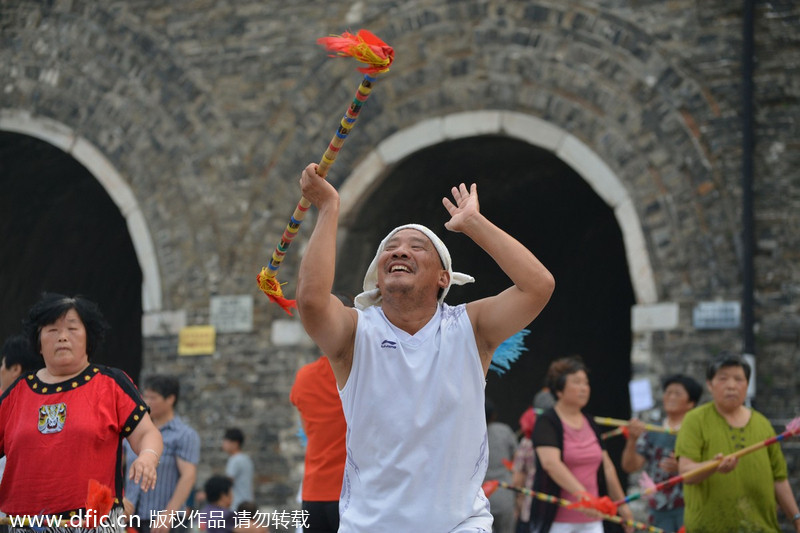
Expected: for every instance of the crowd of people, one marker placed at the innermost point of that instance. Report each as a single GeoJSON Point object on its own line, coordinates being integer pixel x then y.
{"type": "Point", "coordinates": [400, 434]}
{"type": "Point", "coordinates": [560, 453]}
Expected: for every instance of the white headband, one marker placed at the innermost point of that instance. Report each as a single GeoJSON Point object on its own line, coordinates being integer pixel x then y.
{"type": "Point", "coordinates": [372, 295]}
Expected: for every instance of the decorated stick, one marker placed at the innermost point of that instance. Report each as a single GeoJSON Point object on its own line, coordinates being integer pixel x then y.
{"type": "Point", "coordinates": [367, 48]}
{"type": "Point", "coordinates": [606, 421]}
{"type": "Point", "coordinates": [622, 430]}
{"type": "Point", "coordinates": [792, 429]}
{"type": "Point", "coordinates": [490, 486]}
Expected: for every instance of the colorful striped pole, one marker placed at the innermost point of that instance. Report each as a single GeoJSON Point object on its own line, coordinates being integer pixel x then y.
{"type": "Point", "coordinates": [549, 498]}
{"type": "Point", "coordinates": [368, 49]}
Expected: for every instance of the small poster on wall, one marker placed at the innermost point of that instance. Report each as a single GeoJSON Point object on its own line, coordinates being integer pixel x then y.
{"type": "Point", "coordinates": [197, 340]}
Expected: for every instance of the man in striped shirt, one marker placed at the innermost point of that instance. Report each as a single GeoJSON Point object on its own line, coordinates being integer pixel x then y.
{"type": "Point", "coordinates": [177, 470]}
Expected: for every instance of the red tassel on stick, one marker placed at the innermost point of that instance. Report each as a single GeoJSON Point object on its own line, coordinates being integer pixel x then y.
{"type": "Point", "coordinates": [604, 504]}
{"type": "Point", "coordinates": [364, 46]}
{"type": "Point", "coordinates": [99, 500]}
{"type": "Point", "coordinates": [489, 487]}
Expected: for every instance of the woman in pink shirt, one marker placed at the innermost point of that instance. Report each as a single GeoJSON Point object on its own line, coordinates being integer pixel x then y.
{"type": "Point", "coordinates": [570, 457]}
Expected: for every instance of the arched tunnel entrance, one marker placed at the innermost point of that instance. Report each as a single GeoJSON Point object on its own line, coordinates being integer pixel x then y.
{"type": "Point", "coordinates": [61, 232]}
{"type": "Point", "coordinates": [540, 200]}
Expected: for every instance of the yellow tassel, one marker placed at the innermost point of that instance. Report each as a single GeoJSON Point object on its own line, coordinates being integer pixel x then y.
{"type": "Point", "coordinates": [270, 286]}
{"type": "Point", "coordinates": [364, 53]}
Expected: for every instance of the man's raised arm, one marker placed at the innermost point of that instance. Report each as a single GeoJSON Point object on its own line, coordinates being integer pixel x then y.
{"type": "Point", "coordinates": [324, 317]}
{"type": "Point", "coordinates": [498, 317]}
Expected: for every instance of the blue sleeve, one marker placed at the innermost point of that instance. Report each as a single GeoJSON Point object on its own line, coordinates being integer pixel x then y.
{"type": "Point", "coordinates": [188, 447]}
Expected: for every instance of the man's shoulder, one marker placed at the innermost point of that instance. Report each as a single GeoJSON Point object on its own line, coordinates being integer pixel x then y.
{"type": "Point", "coordinates": [447, 309]}
{"type": "Point", "coordinates": [240, 458]}
{"type": "Point", "coordinates": [452, 313]}
{"type": "Point", "coordinates": [179, 425]}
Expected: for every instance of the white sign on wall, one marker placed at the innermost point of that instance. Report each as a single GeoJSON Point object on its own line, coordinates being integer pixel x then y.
{"type": "Point", "coordinates": [232, 314]}
{"type": "Point", "coordinates": [717, 315]}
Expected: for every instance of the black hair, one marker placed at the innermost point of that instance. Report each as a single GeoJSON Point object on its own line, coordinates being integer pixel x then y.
{"type": "Point", "coordinates": [164, 385]}
{"type": "Point", "coordinates": [216, 487]}
{"type": "Point", "coordinates": [247, 507]}
{"type": "Point", "coordinates": [693, 388]}
{"type": "Point", "coordinates": [53, 306]}
{"type": "Point", "coordinates": [559, 370]}
{"type": "Point", "coordinates": [727, 359]}
{"type": "Point", "coordinates": [234, 434]}
{"type": "Point", "coordinates": [16, 350]}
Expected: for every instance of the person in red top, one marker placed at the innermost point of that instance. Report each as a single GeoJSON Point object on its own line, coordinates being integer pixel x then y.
{"type": "Point", "coordinates": [316, 396]}
{"type": "Point", "coordinates": [63, 425]}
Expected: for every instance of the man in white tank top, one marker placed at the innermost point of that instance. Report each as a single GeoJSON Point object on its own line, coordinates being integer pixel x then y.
{"type": "Point", "coordinates": [411, 369]}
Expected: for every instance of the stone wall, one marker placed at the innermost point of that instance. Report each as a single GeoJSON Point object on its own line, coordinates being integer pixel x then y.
{"type": "Point", "coordinates": [208, 110]}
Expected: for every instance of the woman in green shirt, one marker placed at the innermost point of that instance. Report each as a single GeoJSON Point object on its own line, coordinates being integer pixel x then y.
{"type": "Point", "coordinates": [741, 494]}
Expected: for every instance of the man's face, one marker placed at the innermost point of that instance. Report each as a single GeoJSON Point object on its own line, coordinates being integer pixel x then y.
{"type": "Point", "coordinates": [159, 406]}
{"type": "Point", "coordinates": [410, 262]}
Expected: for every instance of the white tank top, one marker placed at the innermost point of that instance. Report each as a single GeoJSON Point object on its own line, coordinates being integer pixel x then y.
{"type": "Point", "coordinates": [417, 448]}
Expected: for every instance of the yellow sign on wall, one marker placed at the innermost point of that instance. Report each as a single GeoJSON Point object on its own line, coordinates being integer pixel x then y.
{"type": "Point", "coordinates": [197, 340]}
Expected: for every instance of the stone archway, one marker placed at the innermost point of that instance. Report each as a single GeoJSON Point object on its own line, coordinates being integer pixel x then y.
{"type": "Point", "coordinates": [67, 230]}
{"type": "Point", "coordinates": [115, 186]}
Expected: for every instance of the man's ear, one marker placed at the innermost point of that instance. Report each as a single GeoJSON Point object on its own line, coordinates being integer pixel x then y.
{"type": "Point", "coordinates": [444, 279]}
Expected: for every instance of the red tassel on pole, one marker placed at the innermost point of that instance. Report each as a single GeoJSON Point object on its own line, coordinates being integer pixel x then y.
{"type": "Point", "coordinates": [99, 500]}
{"type": "Point", "coordinates": [364, 46]}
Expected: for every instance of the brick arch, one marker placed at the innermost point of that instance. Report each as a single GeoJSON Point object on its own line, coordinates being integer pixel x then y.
{"type": "Point", "coordinates": [369, 173]}
{"type": "Point", "coordinates": [120, 192]}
